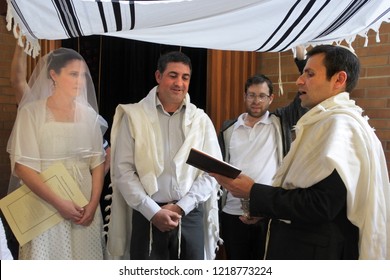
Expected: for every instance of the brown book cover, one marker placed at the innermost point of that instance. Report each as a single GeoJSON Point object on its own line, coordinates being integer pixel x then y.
{"type": "Point", "coordinates": [211, 164]}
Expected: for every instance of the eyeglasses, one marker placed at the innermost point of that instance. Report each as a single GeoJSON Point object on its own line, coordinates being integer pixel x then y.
{"type": "Point", "coordinates": [261, 97]}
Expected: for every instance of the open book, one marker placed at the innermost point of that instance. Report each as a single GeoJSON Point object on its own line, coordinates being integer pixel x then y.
{"type": "Point", "coordinates": [211, 164]}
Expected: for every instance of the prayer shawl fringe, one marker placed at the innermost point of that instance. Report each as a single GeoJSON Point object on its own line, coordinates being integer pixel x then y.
{"type": "Point", "coordinates": [144, 124]}
{"type": "Point", "coordinates": [334, 135]}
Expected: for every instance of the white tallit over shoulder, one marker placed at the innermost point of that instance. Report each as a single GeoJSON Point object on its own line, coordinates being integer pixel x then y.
{"type": "Point", "coordinates": [145, 127]}
{"type": "Point", "coordinates": [335, 135]}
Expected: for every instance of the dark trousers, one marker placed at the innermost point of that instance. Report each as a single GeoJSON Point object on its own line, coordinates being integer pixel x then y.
{"type": "Point", "coordinates": [165, 245]}
{"type": "Point", "coordinates": [321, 241]}
{"type": "Point", "coordinates": [242, 241]}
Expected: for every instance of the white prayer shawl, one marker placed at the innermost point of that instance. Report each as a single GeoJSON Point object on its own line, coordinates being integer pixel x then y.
{"type": "Point", "coordinates": [144, 124]}
{"type": "Point", "coordinates": [334, 135]}
{"type": "Point", "coordinates": [245, 25]}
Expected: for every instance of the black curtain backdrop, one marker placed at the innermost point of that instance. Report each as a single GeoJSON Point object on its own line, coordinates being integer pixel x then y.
{"type": "Point", "coordinates": [123, 70]}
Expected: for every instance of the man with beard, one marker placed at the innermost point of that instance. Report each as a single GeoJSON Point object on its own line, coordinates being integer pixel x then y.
{"type": "Point", "coordinates": [255, 142]}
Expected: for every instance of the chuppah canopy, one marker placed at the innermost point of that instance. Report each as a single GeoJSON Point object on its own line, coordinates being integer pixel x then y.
{"type": "Point", "coordinates": [244, 25]}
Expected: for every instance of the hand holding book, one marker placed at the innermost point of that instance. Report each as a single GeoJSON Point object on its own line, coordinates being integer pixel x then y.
{"type": "Point", "coordinates": [210, 164]}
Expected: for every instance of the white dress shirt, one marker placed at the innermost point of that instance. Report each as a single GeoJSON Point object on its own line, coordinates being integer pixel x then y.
{"type": "Point", "coordinates": [254, 151]}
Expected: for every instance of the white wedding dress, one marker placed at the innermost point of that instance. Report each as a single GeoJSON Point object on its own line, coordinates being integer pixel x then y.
{"type": "Point", "coordinates": [53, 141]}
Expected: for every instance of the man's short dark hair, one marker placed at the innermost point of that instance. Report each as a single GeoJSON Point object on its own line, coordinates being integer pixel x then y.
{"type": "Point", "coordinates": [259, 79]}
{"type": "Point", "coordinates": [174, 56]}
{"type": "Point", "coordinates": [339, 58]}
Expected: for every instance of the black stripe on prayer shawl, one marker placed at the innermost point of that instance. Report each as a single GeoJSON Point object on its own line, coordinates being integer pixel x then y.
{"type": "Point", "coordinates": [287, 33]}
{"type": "Point", "coordinates": [132, 14]}
{"type": "Point", "coordinates": [117, 14]}
{"type": "Point", "coordinates": [346, 15]}
{"type": "Point", "coordinates": [68, 18]}
{"type": "Point", "coordinates": [306, 26]}
{"type": "Point", "coordinates": [133, 1]}
{"type": "Point", "coordinates": [17, 10]}
{"type": "Point", "coordinates": [280, 25]}
{"type": "Point", "coordinates": [75, 19]}
{"type": "Point", "coordinates": [102, 16]}
{"type": "Point", "coordinates": [59, 17]}
{"type": "Point", "coordinates": [116, 7]}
